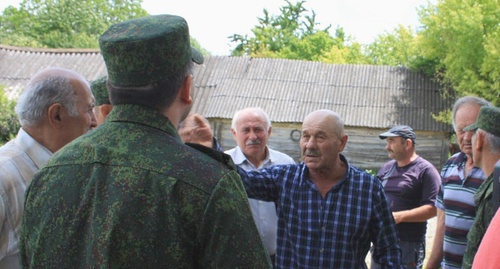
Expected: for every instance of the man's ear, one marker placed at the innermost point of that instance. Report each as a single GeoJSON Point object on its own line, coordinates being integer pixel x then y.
{"type": "Point", "coordinates": [343, 142]}
{"type": "Point", "coordinates": [409, 143]}
{"type": "Point", "coordinates": [105, 109]}
{"type": "Point", "coordinates": [185, 92]}
{"type": "Point", "coordinates": [233, 132]}
{"type": "Point", "coordinates": [479, 141]}
{"type": "Point", "coordinates": [55, 115]}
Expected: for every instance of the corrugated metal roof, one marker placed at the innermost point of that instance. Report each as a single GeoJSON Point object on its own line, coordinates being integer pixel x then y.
{"type": "Point", "coordinates": [364, 95]}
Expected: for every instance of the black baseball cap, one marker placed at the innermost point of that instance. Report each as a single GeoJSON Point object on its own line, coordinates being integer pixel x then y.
{"type": "Point", "coordinates": [403, 131]}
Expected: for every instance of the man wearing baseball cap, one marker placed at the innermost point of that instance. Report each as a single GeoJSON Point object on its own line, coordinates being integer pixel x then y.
{"type": "Point", "coordinates": [411, 184]}
{"type": "Point", "coordinates": [486, 153]}
{"type": "Point", "coordinates": [131, 194]}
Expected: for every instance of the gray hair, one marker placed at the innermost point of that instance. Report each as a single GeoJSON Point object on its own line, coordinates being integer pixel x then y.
{"type": "Point", "coordinates": [466, 100]}
{"type": "Point", "coordinates": [256, 110]}
{"type": "Point", "coordinates": [38, 96]}
{"type": "Point", "coordinates": [493, 141]}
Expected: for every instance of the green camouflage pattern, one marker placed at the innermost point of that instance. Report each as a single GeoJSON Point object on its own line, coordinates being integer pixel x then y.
{"type": "Point", "coordinates": [487, 120]}
{"type": "Point", "coordinates": [130, 194]}
{"type": "Point", "coordinates": [100, 91]}
{"type": "Point", "coordinates": [484, 215]}
{"type": "Point", "coordinates": [147, 50]}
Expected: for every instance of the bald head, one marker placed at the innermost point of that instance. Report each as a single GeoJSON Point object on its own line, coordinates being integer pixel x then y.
{"type": "Point", "coordinates": [327, 120]}
{"type": "Point", "coordinates": [53, 72]}
{"type": "Point", "coordinates": [321, 143]}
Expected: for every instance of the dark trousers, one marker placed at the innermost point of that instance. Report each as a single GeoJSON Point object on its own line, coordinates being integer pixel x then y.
{"type": "Point", "coordinates": [412, 255]}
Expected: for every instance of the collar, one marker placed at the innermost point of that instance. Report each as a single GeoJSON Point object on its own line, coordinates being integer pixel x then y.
{"type": "Point", "coordinates": [39, 154]}
{"type": "Point", "coordinates": [143, 115]}
{"type": "Point", "coordinates": [240, 158]}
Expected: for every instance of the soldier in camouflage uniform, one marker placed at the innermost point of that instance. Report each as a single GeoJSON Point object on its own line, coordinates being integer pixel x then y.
{"type": "Point", "coordinates": [102, 104]}
{"type": "Point", "coordinates": [131, 194]}
{"type": "Point", "coordinates": [485, 152]}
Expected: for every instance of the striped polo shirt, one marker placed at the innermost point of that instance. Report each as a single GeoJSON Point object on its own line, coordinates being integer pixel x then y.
{"type": "Point", "coordinates": [456, 198]}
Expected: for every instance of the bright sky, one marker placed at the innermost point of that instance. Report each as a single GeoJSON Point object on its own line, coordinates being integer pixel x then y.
{"type": "Point", "coordinates": [211, 22]}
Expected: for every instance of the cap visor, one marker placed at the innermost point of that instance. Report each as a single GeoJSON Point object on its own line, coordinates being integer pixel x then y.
{"type": "Point", "coordinates": [386, 135]}
{"type": "Point", "coordinates": [196, 56]}
{"type": "Point", "coordinates": [471, 127]}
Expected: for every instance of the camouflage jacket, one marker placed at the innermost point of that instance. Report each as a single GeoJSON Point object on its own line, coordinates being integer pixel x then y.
{"type": "Point", "coordinates": [130, 194]}
{"type": "Point", "coordinates": [484, 215]}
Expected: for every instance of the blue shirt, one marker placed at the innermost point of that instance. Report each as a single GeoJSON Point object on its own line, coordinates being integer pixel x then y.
{"type": "Point", "coordinates": [264, 213]}
{"type": "Point", "coordinates": [331, 232]}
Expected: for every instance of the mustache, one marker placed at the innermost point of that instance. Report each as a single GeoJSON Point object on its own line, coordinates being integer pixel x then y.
{"type": "Point", "coordinates": [252, 142]}
{"type": "Point", "coordinates": [312, 152]}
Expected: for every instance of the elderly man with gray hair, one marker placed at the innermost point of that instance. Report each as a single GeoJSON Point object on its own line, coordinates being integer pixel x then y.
{"type": "Point", "coordinates": [461, 178]}
{"type": "Point", "coordinates": [55, 108]}
{"type": "Point", "coordinates": [251, 129]}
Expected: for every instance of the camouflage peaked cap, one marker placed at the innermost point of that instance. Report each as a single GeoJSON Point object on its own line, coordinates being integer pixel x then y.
{"type": "Point", "coordinates": [487, 120]}
{"type": "Point", "coordinates": [141, 51]}
{"type": "Point", "coordinates": [100, 91]}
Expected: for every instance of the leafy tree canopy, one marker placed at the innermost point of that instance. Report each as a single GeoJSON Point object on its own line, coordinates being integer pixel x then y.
{"type": "Point", "coordinates": [64, 23]}
{"type": "Point", "coordinates": [460, 46]}
{"type": "Point", "coordinates": [293, 35]}
{"type": "Point", "coordinates": [396, 48]}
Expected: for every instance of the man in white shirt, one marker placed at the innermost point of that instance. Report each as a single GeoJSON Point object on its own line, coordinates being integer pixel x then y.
{"type": "Point", "coordinates": [251, 129]}
{"type": "Point", "coordinates": [55, 108]}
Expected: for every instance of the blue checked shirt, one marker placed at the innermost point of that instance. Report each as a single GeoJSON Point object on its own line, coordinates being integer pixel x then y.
{"type": "Point", "coordinates": [334, 232]}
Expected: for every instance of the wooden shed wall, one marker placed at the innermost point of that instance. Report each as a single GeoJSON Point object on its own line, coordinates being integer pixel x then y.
{"type": "Point", "coordinates": [364, 148]}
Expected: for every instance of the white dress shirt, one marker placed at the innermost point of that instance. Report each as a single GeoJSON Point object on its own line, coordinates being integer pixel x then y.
{"type": "Point", "coordinates": [20, 159]}
{"type": "Point", "coordinates": [264, 213]}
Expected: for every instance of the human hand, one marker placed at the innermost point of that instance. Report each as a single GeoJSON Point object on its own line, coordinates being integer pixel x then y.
{"type": "Point", "coordinates": [398, 216]}
{"type": "Point", "coordinates": [196, 129]}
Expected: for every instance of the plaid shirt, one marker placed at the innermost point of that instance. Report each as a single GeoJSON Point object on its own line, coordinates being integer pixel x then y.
{"type": "Point", "coordinates": [331, 232]}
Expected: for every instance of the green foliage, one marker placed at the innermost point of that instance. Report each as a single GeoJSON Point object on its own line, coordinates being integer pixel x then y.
{"type": "Point", "coordinates": [460, 45]}
{"type": "Point", "coordinates": [9, 125]}
{"type": "Point", "coordinates": [371, 172]}
{"type": "Point", "coordinates": [396, 48]}
{"type": "Point", "coordinates": [64, 23]}
{"type": "Point", "coordinates": [443, 116]}
{"type": "Point", "coordinates": [293, 35]}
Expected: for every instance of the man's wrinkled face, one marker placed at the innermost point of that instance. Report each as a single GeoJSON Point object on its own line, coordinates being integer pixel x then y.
{"type": "Point", "coordinates": [466, 115]}
{"type": "Point", "coordinates": [319, 143]}
{"type": "Point", "coordinates": [251, 135]}
{"type": "Point", "coordinates": [85, 120]}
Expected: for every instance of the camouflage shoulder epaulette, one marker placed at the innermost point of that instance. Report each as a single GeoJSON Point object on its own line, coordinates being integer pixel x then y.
{"type": "Point", "coordinates": [217, 155]}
